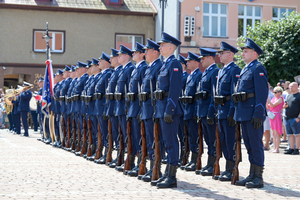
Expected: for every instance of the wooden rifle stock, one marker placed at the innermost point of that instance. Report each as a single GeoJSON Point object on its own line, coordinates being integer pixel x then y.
{"type": "Point", "coordinates": [74, 134]}
{"type": "Point", "coordinates": [129, 147]}
{"type": "Point", "coordinates": [238, 153]}
{"type": "Point", "coordinates": [142, 166]}
{"type": "Point", "coordinates": [83, 148]}
{"type": "Point", "coordinates": [200, 143]}
{"type": "Point", "coordinates": [120, 159]}
{"type": "Point", "coordinates": [63, 144]}
{"type": "Point", "coordinates": [79, 134]}
{"type": "Point", "coordinates": [69, 132]}
{"type": "Point", "coordinates": [186, 146]}
{"type": "Point", "coordinates": [110, 143]}
{"type": "Point", "coordinates": [155, 171]}
{"type": "Point", "coordinates": [98, 151]}
{"type": "Point", "coordinates": [219, 153]}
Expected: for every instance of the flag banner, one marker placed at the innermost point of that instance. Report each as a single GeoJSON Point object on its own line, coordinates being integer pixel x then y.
{"type": "Point", "coordinates": [47, 89]}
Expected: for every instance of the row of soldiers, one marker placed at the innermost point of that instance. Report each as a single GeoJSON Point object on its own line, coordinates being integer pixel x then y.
{"type": "Point", "coordinates": [159, 107]}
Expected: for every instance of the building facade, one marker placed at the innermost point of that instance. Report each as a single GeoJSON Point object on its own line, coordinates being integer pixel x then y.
{"type": "Point", "coordinates": [80, 30]}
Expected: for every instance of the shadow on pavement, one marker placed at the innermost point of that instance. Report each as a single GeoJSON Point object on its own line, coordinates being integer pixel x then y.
{"type": "Point", "coordinates": [196, 191]}
{"type": "Point", "coordinates": [284, 192]}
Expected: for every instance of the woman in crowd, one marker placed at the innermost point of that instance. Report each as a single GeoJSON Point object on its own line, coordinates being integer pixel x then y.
{"type": "Point", "coordinates": [275, 105]}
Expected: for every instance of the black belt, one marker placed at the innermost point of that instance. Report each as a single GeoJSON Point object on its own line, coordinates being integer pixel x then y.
{"type": "Point", "coordinates": [242, 96]}
{"type": "Point", "coordinates": [144, 96]}
{"type": "Point", "coordinates": [62, 98]}
{"type": "Point", "coordinates": [119, 96]}
{"type": "Point", "coordinates": [75, 98]}
{"type": "Point", "coordinates": [88, 99]}
{"type": "Point", "coordinates": [69, 100]}
{"type": "Point", "coordinates": [202, 95]}
{"type": "Point", "coordinates": [160, 94]}
{"type": "Point", "coordinates": [97, 96]}
{"type": "Point", "coordinates": [221, 99]}
{"type": "Point", "coordinates": [187, 99]}
{"type": "Point", "coordinates": [109, 96]}
{"type": "Point", "coordinates": [132, 96]}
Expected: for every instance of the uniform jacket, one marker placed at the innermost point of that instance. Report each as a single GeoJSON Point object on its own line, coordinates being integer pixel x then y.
{"type": "Point", "coordinates": [184, 78]}
{"type": "Point", "coordinates": [39, 106]}
{"type": "Point", "coordinates": [84, 106]}
{"type": "Point", "coordinates": [208, 81]}
{"type": "Point", "coordinates": [56, 91]}
{"type": "Point", "coordinates": [123, 81]}
{"type": "Point", "coordinates": [169, 80]}
{"type": "Point", "coordinates": [101, 86]}
{"type": "Point", "coordinates": [110, 108]}
{"type": "Point", "coordinates": [90, 92]}
{"type": "Point", "coordinates": [78, 87]}
{"type": "Point", "coordinates": [63, 92]}
{"type": "Point", "coordinates": [227, 80]}
{"type": "Point", "coordinates": [137, 76]}
{"type": "Point", "coordinates": [69, 94]}
{"type": "Point", "coordinates": [151, 74]}
{"type": "Point", "coordinates": [16, 105]}
{"type": "Point", "coordinates": [190, 109]}
{"type": "Point", "coordinates": [253, 78]}
{"type": "Point", "coordinates": [24, 101]}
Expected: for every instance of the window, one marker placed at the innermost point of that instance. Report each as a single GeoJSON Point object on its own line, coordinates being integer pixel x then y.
{"type": "Point", "coordinates": [56, 44]}
{"type": "Point", "coordinates": [215, 20]}
{"type": "Point", "coordinates": [128, 40]}
{"type": "Point", "coordinates": [278, 13]}
{"type": "Point", "coordinates": [248, 16]}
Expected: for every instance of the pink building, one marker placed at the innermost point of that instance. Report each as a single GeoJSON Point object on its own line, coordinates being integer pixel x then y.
{"type": "Point", "coordinates": [205, 23]}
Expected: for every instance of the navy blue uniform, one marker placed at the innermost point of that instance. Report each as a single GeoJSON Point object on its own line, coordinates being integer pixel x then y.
{"type": "Point", "coordinates": [169, 81]}
{"type": "Point", "coordinates": [190, 109]}
{"type": "Point", "coordinates": [24, 109]}
{"type": "Point", "coordinates": [227, 80]}
{"type": "Point", "coordinates": [206, 107]}
{"type": "Point", "coordinates": [253, 79]}
{"type": "Point", "coordinates": [137, 76]}
{"type": "Point", "coordinates": [69, 102]}
{"type": "Point", "coordinates": [16, 114]}
{"type": "Point", "coordinates": [63, 95]}
{"type": "Point", "coordinates": [56, 108]}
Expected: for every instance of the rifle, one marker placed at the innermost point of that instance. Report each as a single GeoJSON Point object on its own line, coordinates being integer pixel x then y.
{"type": "Point", "coordinates": [110, 143]}
{"type": "Point", "coordinates": [69, 132]}
{"type": "Point", "coordinates": [79, 134]}
{"type": "Point", "coordinates": [89, 125]}
{"type": "Point", "coordinates": [200, 143]}
{"type": "Point", "coordinates": [155, 170]}
{"type": "Point", "coordinates": [129, 147]}
{"type": "Point", "coordinates": [219, 153]}
{"type": "Point", "coordinates": [186, 146]}
{"type": "Point", "coordinates": [98, 151]}
{"type": "Point", "coordinates": [238, 153]}
{"type": "Point", "coordinates": [120, 158]}
{"type": "Point", "coordinates": [74, 134]}
{"type": "Point", "coordinates": [142, 166]}
{"type": "Point", "coordinates": [64, 131]}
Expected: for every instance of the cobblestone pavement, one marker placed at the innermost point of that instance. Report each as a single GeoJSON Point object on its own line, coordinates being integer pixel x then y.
{"type": "Point", "coordinates": [29, 169]}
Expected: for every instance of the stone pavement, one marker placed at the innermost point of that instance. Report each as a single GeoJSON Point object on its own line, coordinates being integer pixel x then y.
{"type": "Point", "coordinates": [29, 169]}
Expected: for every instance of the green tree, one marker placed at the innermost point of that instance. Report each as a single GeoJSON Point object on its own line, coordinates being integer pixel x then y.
{"type": "Point", "coordinates": [280, 41]}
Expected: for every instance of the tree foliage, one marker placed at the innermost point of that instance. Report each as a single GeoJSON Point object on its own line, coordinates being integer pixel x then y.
{"type": "Point", "coordinates": [280, 41]}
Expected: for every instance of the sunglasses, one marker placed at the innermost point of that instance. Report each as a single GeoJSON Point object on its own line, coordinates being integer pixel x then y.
{"type": "Point", "coordinates": [276, 92]}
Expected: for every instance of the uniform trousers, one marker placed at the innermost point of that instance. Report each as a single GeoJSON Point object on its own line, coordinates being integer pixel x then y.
{"type": "Point", "coordinates": [57, 124]}
{"type": "Point", "coordinates": [169, 136]}
{"type": "Point", "coordinates": [192, 134]}
{"type": "Point", "coordinates": [253, 141]}
{"type": "Point", "coordinates": [123, 123]}
{"type": "Point", "coordinates": [34, 120]}
{"type": "Point", "coordinates": [135, 136]}
{"type": "Point", "coordinates": [209, 133]}
{"type": "Point", "coordinates": [11, 122]}
{"type": "Point", "coordinates": [24, 115]}
{"type": "Point", "coordinates": [227, 139]}
{"type": "Point", "coordinates": [94, 122]}
{"type": "Point", "coordinates": [181, 132]}
{"type": "Point", "coordinates": [17, 123]}
{"type": "Point", "coordinates": [104, 129]}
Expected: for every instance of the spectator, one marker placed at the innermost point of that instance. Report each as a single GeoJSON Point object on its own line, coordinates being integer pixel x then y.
{"type": "Point", "coordinates": [292, 119]}
{"type": "Point", "coordinates": [1, 113]}
{"type": "Point", "coordinates": [275, 105]}
{"type": "Point", "coordinates": [287, 90]}
{"type": "Point", "coordinates": [267, 133]}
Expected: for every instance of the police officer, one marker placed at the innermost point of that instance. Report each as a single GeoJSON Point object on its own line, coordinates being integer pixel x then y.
{"type": "Point", "coordinates": [190, 108]}
{"type": "Point", "coordinates": [168, 107]}
{"type": "Point", "coordinates": [23, 108]}
{"type": "Point", "coordinates": [181, 121]}
{"type": "Point", "coordinates": [152, 56]}
{"type": "Point", "coordinates": [69, 105]}
{"type": "Point", "coordinates": [100, 105]}
{"type": "Point", "coordinates": [125, 55]}
{"type": "Point", "coordinates": [110, 101]}
{"type": "Point", "coordinates": [39, 108]}
{"type": "Point", "coordinates": [16, 113]}
{"type": "Point", "coordinates": [134, 111]}
{"type": "Point", "coordinates": [206, 108]}
{"type": "Point", "coordinates": [63, 94]}
{"type": "Point", "coordinates": [76, 93]}
{"type": "Point", "coordinates": [56, 106]}
{"type": "Point", "coordinates": [252, 93]}
{"type": "Point", "coordinates": [227, 79]}
{"type": "Point", "coordinates": [91, 112]}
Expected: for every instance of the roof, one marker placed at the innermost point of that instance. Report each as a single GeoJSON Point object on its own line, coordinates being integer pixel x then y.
{"type": "Point", "coordinates": [140, 6]}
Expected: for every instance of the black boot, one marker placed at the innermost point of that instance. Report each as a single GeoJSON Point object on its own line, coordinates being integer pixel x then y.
{"type": "Point", "coordinates": [170, 181]}
{"type": "Point", "coordinates": [204, 168]}
{"type": "Point", "coordinates": [148, 176]}
{"type": "Point", "coordinates": [102, 160]}
{"type": "Point", "coordinates": [154, 183]}
{"type": "Point", "coordinates": [209, 171]}
{"type": "Point", "coordinates": [248, 178]}
{"type": "Point", "coordinates": [182, 167]}
{"type": "Point", "coordinates": [180, 158]}
{"type": "Point", "coordinates": [192, 166]}
{"type": "Point", "coordinates": [258, 181]}
{"type": "Point", "coordinates": [217, 177]}
{"type": "Point", "coordinates": [135, 171]}
{"type": "Point", "coordinates": [113, 163]}
{"type": "Point", "coordinates": [93, 150]}
{"type": "Point", "coordinates": [228, 175]}
{"type": "Point", "coordinates": [131, 161]}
